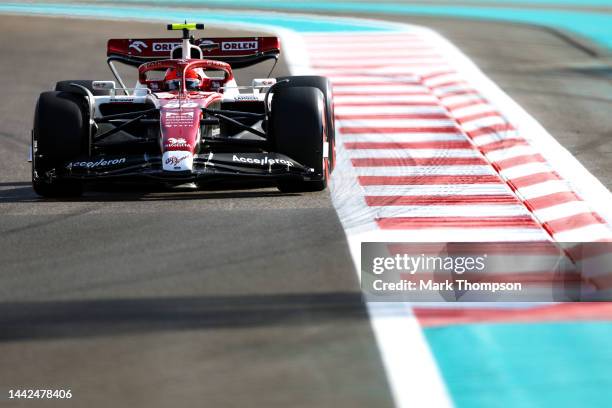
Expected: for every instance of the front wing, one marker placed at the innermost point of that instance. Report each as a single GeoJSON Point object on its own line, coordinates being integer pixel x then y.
{"type": "Point", "coordinates": [206, 167]}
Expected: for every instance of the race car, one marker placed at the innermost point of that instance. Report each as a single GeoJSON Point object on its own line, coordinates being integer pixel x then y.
{"type": "Point", "coordinates": [185, 121]}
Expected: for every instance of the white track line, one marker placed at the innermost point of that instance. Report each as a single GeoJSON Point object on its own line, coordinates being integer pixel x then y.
{"type": "Point", "coordinates": [469, 210]}
{"type": "Point", "coordinates": [387, 109]}
{"type": "Point", "coordinates": [390, 123]}
{"type": "Point", "coordinates": [401, 137]}
{"type": "Point", "coordinates": [411, 153]}
{"type": "Point", "coordinates": [525, 170]}
{"type": "Point", "coordinates": [561, 210]}
{"type": "Point", "coordinates": [439, 189]}
{"type": "Point", "coordinates": [425, 171]}
{"type": "Point", "coordinates": [340, 100]}
{"type": "Point", "coordinates": [545, 188]}
{"type": "Point", "coordinates": [399, 88]}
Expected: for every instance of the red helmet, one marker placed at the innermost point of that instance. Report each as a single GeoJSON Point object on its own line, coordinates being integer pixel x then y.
{"type": "Point", "coordinates": [193, 81]}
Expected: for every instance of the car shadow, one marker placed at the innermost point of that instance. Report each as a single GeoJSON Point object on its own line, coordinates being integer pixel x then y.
{"type": "Point", "coordinates": [15, 183]}
{"type": "Point", "coordinates": [40, 320]}
{"type": "Point", "coordinates": [23, 193]}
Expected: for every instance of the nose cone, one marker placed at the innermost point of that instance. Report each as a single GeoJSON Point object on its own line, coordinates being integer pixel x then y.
{"type": "Point", "coordinates": [180, 131]}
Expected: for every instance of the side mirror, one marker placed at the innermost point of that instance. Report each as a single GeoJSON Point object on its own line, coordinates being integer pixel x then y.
{"type": "Point", "coordinates": [262, 84]}
{"type": "Point", "coordinates": [103, 85]}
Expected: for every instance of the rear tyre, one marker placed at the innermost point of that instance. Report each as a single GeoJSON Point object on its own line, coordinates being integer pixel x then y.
{"type": "Point", "coordinates": [297, 130]}
{"type": "Point", "coordinates": [66, 86]}
{"type": "Point", "coordinates": [325, 86]}
{"type": "Point", "coordinates": [59, 134]}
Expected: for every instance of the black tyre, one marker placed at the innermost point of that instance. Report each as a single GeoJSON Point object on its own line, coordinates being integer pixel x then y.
{"type": "Point", "coordinates": [59, 134]}
{"type": "Point", "coordinates": [67, 87]}
{"type": "Point", "coordinates": [297, 129]}
{"type": "Point", "coordinates": [325, 86]}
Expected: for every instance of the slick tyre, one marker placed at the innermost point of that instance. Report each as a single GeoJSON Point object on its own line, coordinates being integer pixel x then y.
{"type": "Point", "coordinates": [59, 134]}
{"type": "Point", "coordinates": [325, 86]}
{"type": "Point", "coordinates": [297, 127]}
{"type": "Point", "coordinates": [66, 86]}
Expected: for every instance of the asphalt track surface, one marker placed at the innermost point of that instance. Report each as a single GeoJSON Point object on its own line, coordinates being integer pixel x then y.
{"type": "Point", "coordinates": [169, 298]}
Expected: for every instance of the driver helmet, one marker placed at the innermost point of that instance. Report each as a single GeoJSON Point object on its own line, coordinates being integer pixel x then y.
{"type": "Point", "coordinates": [193, 81]}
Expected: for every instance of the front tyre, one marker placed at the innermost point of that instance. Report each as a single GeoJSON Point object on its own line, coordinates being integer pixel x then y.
{"type": "Point", "coordinates": [59, 134]}
{"type": "Point", "coordinates": [325, 86]}
{"type": "Point", "coordinates": [298, 130]}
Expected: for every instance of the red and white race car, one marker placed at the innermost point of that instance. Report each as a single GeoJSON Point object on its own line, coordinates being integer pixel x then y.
{"type": "Point", "coordinates": [185, 121]}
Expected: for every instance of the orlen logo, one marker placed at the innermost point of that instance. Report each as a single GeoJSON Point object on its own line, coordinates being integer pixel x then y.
{"type": "Point", "coordinates": [165, 46]}
{"type": "Point", "coordinates": [239, 46]}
